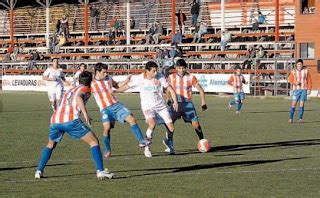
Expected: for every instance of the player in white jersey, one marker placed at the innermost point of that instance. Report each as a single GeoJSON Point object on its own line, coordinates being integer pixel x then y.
{"type": "Point", "coordinates": [154, 108]}
{"type": "Point", "coordinates": [55, 79]}
{"type": "Point", "coordinates": [82, 68]}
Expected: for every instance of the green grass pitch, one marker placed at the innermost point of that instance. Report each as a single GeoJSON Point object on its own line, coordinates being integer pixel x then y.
{"type": "Point", "coordinates": [256, 154]}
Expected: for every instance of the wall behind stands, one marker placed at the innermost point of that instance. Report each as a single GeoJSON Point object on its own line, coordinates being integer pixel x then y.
{"type": "Point", "coordinates": [209, 82]}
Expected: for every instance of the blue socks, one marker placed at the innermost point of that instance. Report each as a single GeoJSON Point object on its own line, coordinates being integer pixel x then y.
{"type": "Point", "coordinates": [97, 157]}
{"type": "Point", "coordinates": [106, 141]}
{"type": "Point", "coordinates": [45, 156]}
{"type": "Point", "coordinates": [232, 102]}
{"type": "Point", "coordinates": [137, 132]}
{"type": "Point", "coordinates": [301, 112]}
{"type": "Point", "coordinates": [239, 106]}
{"type": "Point", "coordinates": [292, 110]}
{"type": "Point", "coordinates": [199, 133]}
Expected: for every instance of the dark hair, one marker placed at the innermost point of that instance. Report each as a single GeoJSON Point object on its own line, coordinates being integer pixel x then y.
{"type": "Point", "coordinates": [85, 78]}
{"type": "Point", "coordinates": [237, 67]}
{"type": "Point", "coordinates": [99, 66]}
{"type": "Point", "coordinates": [55, 59]}
{"type": "Point", "coordinates": [150, 65]}
{"type": "Point", "coordinates": [181, 63]}
{"type": "Point", "coordinates": [85, 66]}
{"type": "Point", "coordinates": [299, 61]}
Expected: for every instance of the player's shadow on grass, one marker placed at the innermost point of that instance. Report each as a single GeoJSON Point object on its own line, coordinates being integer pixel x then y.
{"type": "Point", "coordinates": [26, 167]}
{"type": "Point", "coordinates": [159, 171]}
{"type": "Point", "coordinates": [284, 144]}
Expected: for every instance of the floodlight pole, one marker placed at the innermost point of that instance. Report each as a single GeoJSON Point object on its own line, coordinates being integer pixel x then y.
{"type": "Point", "coordinates": [277, 22]}
{"type": "Point", "coordinates": [128, 23]}
{"type": "Point", "coordinates": [173, 17]}
{"type": "Point", "coordinates": [86, 28]}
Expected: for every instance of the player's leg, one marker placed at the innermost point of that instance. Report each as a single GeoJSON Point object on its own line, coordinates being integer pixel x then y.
{"type": "Point", "coordinates": [232, 101]}
{"type": "Point", "coordinates": [168, 140]}
{"type": "Point", "coordinates": [149, 115]}
{"type": "Point", "coordinates": [107, 138]}
{"type": "Point", "coordinates": [52, 99]}
{"type": "Point", "coordinates": [197, 127]}
{"type": "Point", "coordinates": [190, 116]}
{"type": "Point", "coordinates": [303, 99]}
{"type": "Point", "coordinates": [295, 99]}
{"type": "Point", "coordinates": [240, 102]}
{"type": "Point", "coordinates": [44, 158]}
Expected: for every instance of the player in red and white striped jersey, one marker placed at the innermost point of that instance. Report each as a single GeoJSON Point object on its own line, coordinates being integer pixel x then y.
{"type": "Point", "coordinates": [102, 88]}
{"type": "Point", "coordinates": [182, 83]}
{"type": "Point", "coordinates": [66, 119]}
{"type": "Point", "coordinates": [300, 80]}
{"type": "Point", "coordinates": [237, 80]}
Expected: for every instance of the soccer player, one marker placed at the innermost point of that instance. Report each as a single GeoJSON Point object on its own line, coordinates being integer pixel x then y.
{"type": "Point", "coordinates": [154, 108]}
{"type": "Point", "coordinates": [82, 68]}
{"type": "Point", "coordinates": [111, 109]}
{"type": "Point", "coordinates": [182, 83]}
{"type": "Point", "coordinates": [66, 119]}
{"type": "Point", "coordinates": [301, 84]}
{"type": "Point", "coordinates": [55, 79]}
{"type": "Point", "coordinates": [237, 80]}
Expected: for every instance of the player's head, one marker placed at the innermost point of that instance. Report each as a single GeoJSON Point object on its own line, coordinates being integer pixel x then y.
{"type": "Point", "coordinates": [237, 70]}
{"type": "Point", "coordinates": [151, 69]}
{"type": "Point", "coordinates": [299, 64]}
{"type": "Point", "coordinates": [83, 67]}
{"type": "Point", "coordinates": [85, 78]}
{"type": "Point", "coordinates": [55, 62]}
{"type": "Point", "coordinates": [181, 66]}
{"type": "Point", "coordinates": [100, 71]}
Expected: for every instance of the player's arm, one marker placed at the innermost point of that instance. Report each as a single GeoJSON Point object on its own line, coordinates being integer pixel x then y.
{"type": "Point", "coordinates": [120, 84]}
{"type": "Point", "coordinates": [83, 108]}
{"type": "Point", "coordinates": [230, 81]}
{"type": "Point", "coordinates": [203, 96]}
{"type": "Point", "coordinates": [45, 76]}
{"type": "Point", "coordinates": [122, 88]}
{"type": "Point", "coordinates": [173, 96]}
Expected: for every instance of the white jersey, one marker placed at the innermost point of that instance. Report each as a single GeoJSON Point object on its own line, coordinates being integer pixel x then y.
{"type": "Point", "coordinates": [150, 90]}
{"type": "Point", "coordinates": [58, 75]}
{"type": "Point", "coordinates": [76, 77]}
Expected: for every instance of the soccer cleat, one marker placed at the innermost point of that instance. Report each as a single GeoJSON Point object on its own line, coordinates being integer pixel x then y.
{"type": "Point", "coordinates": [300, 120]}
{"type": "Point", "coordinates": [169, 146]}
{"type": "Point", "coordinates": [38, 174]}
{"type": "Point", "coordinates": [104, 174]}
{"type": "Point", "coordinates": [147, 151]}
{"type": "Point", "coordinates": [238, 112]}
{"type": "Point", "coordinates": [290, 121]}
{"type": "Point", "coordinates": [107, 154]}
{"type": "Point", "coordinates": [144, 143]}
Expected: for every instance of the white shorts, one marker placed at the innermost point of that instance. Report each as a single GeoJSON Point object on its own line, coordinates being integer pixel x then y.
{"type": "Point", "coordinates": [160, 116]}
{"type": "Point", "coordinates": [55, 94]}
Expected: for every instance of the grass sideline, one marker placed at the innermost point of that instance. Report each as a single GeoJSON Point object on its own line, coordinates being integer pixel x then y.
{"type": "Point", "coordinates": [256, 154]}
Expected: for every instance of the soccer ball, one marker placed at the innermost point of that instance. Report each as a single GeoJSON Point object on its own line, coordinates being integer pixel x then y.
{"type": "Point", "coordinates": [204, 146]}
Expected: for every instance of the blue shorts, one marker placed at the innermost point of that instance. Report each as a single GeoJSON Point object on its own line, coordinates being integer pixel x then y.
{"type": "Point", "coordinates": [116, 112]}
{"type": "Point", "coordinates": [239, 96]}
{"type": "Point", "coordinates": [299, 95]}
{"type": "Point", "coordinates": [186, 110]}
{"type": "Point", "coordinates": [76, 129]}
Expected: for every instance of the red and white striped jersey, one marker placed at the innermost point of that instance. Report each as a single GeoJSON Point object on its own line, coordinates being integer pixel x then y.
{"type": "Point", "coordinates": [236, 81]}
{"type": "Point", "coordinates": [300, 79]}
{"type": "Point", "coordinates": [68, 108]}
{"type": "Point", "coordinates": [182, 85]}
{"type": "Point", "coordinates": [103, 92]}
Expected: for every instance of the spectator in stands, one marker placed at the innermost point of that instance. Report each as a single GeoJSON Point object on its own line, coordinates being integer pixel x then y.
{"type": "Point", "coordinates": [7, 56]}
{"type": "Point", "coordinates": [225, 39]}
{"type": "Point", "coordinates": [150, 34]}
{"type": "Point", "coordinates": [65, 26]}
{"type": "Point", "coordinates": [158, 33]}
{"type": "Point", "coordinates": [58, 26]}
{"type": "Point", "coordinates": [261, 18]}
{"type": "Point", "coordinates": [181, 20]}
{"type": "Point", "coordinates": [202, 30]}
{"type": "Point", "coordinates": [255, 25]}
{"type": "Point", "coordinates": [106, 10]}
{"type": "Point", "coordinates": [177, 38]}
{"type": "Point", "coordinates": [52, 43]}
{"type": "Point", "coordinates": [132, 23]}
{"type": "Point", "coordinates": [74, 24]}
{"type": "Point", "coordinates": [260, 52]}
{"type": "Point", "coordinates": [173, 51]}
{"type": "Point", "coordinates": [159, 56]}
{"type": "Point", "coordinates": [94, 17]}
{"type": "Point", "coordinates": [305, 10]}
{"type": "Point", "coordinates": [179, 52]}
{"type": "Point", "coordinates": [61, 41]}
{"type": "Point", "coordinates": [34, 57]}
{"type": "Point", "coordinates": [15, 52]}
{"type": "Point", "coordinates": [195, 10]}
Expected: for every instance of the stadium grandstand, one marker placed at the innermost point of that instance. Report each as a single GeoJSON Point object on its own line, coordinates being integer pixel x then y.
{"type": "Point", "coordinates": [264, 37]}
